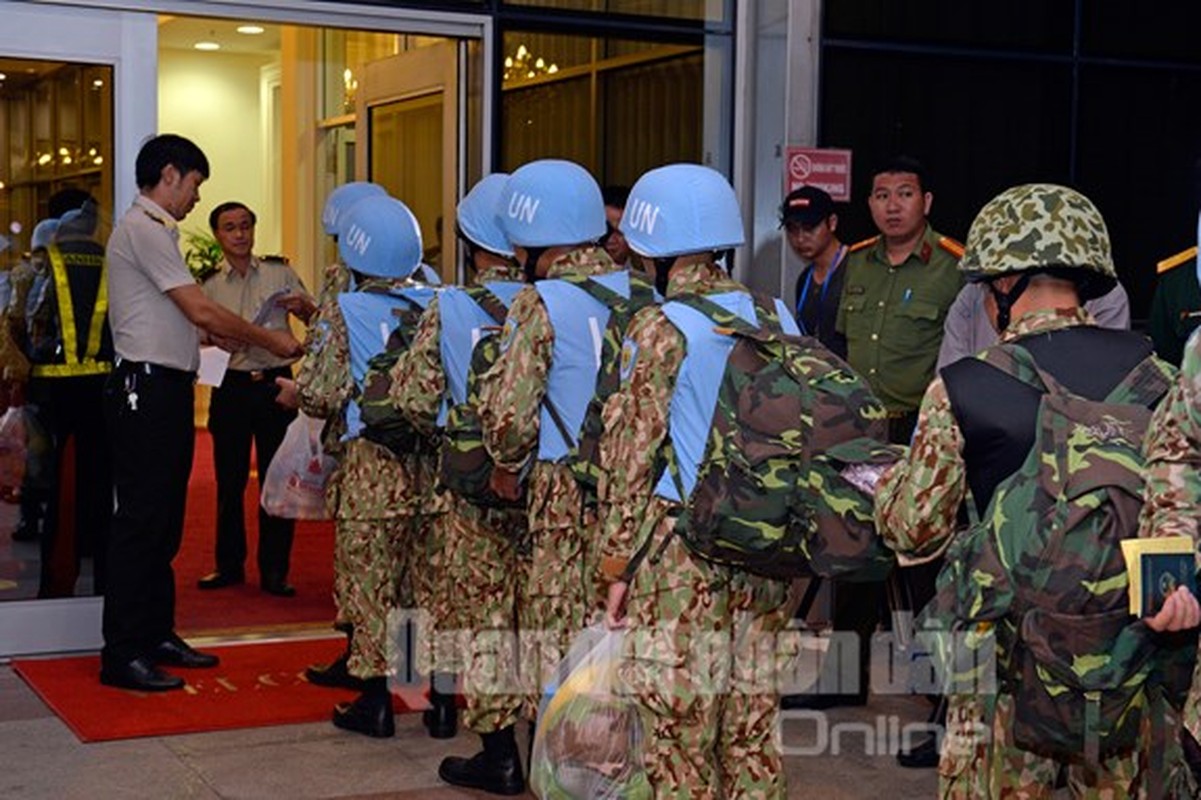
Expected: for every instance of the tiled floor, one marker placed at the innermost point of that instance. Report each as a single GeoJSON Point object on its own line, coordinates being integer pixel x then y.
{"type": "Point", "coordinates": [40, 759]}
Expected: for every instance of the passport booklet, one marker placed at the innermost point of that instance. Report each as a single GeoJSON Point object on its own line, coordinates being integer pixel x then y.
{"type": "Point", "coordinates": [1156, 567]}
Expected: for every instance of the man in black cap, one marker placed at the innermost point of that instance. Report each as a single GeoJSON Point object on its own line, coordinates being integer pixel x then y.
{"type": "Point", "coordinates": [809, 222]}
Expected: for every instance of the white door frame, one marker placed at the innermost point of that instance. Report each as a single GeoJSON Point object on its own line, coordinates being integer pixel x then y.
{"type": "Point", "coordinates": [124, 35]}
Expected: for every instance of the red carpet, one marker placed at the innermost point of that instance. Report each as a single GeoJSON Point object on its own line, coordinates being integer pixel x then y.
{"type": "Point", "coordinates": [256, 685]}
{"type": "Point", "coordinates": [240, 607]}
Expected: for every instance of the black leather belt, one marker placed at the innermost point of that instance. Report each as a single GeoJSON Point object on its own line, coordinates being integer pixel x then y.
{"type": "Point", "coordinates": [126, 367]}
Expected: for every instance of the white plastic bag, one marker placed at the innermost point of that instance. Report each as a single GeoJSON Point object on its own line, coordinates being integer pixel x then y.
{"type": "Point", "coordinates": [294, 487]}
{"type": "Point", "coordinates": [589, 740]}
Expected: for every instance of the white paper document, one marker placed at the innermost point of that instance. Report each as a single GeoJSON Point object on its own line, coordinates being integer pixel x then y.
{"type": "Point", "coordinates": [213, 363]}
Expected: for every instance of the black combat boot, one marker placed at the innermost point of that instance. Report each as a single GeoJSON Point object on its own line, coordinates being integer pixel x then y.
{"type": "Point", "coordinates": [335, 674]}
{"type": "Point", "coordinates": [496, 770]}
{"type": "Point", "coordinates": [371, 712]}
{"type": "Point", "coordinates": [442, 718]}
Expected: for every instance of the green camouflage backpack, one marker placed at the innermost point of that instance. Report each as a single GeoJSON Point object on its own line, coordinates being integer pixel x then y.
{"type": "Point", "coordinates": [770, 495]}
{"type": "Point", "coordinates": [1040, 576]}
{"type": "Point", "coordinates": [584, 458]}
{"type": "Point", "coordinates": [465, 467]}
{"type": "Point", "coordinates": [382, 423]}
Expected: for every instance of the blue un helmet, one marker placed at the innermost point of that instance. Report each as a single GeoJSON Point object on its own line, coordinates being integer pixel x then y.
{"type": "Point", "coordinates": [380, 237]}
{"type": "Point", "coordinates": [479, 218]}
{"type": "Point", "coordinates": [342, 198]}
{"type": "Point", "coordinates": [552, 203]}
{"type": "Point", "coordinates": [682, 208]}
{"type": "Point", "coordinates": [43, 234]}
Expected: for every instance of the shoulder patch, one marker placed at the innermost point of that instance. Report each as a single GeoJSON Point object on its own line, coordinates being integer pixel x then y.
{"type": "Point", "coordinates": [507, 334]}
{"type": "Point", "coordinates": [951, 246]}
{"type": "Point", "coordinates": [1182, 257]}
{"type": "Point", "coordinates": [277, 258]}
{"type": "Point", "coordinates": [860, 245]}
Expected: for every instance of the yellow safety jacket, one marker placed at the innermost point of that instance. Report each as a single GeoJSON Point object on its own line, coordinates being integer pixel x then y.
{"type": "Point", "coordinates": [73, 365]}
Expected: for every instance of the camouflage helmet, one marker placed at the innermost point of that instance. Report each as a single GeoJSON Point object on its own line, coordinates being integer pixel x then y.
{"type": "Point", "coordinates": [1041, 227]}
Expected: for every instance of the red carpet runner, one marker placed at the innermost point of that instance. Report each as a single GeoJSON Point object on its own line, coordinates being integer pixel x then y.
{"type": "Point", "coordinates": [240, 607]}
{"type": "Point", "coordinates": [256, 685]}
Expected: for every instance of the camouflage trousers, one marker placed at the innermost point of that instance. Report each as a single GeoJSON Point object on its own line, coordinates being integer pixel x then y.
{"type": "Point", "coordinates": [432, 579]}
{"type": "Point", "coordinates": [487, 574]}
{"type": "Point", "coordinates": [981, 761]}
{"type": "Point", "coordinates": [370, 580]}
{"type": "Point", "coordinates": [702, 659]}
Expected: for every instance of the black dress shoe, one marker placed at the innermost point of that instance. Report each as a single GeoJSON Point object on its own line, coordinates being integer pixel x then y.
{"type": "Point", "coordinates": [178, 653]}
{"type": "Point", "coordinates": [370, 714]}
{"type": "Point", "coordinates": [334, 675]}
{"type": "Point", "coordinates": [219, 580]}
{"type": "Point", "coordinates": [278, 587]}
{"type": "Point", "coordinates": [820, 702]}
{"type": "Point", "coordinates": [923, 755]}
{"type": "Point", "coordinates": [140, 674]}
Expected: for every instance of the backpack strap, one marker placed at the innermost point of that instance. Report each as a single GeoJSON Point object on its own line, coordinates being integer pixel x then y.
{"type": "Point", "coordinates": [486, 299]}
{"type": "Point", "coordinates": [728, 319]}
{"type": "Point", "coordinates": [1145, 385]}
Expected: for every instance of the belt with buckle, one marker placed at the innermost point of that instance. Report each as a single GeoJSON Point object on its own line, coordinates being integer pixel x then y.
{"type": "Point", "coordinates": [125, 366]}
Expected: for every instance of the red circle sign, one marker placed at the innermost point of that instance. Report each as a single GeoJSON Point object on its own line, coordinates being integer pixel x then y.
{"type": "Point", "coordinates": [799, 166]}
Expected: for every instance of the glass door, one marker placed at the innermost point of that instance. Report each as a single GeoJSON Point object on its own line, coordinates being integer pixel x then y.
{"type": "Point", "coordinates": [408, 115]}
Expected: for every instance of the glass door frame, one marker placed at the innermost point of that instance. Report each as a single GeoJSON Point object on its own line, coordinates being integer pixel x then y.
{"type": "Point", "coordinates": [123, 34]}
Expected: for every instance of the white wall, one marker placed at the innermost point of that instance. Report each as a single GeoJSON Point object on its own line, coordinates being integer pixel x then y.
{"type": "Point", "coordinates": [214, 100]}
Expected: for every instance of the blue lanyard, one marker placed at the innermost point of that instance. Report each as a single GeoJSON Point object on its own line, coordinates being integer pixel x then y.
{"type": "Point", "coordinates": [821, 302]}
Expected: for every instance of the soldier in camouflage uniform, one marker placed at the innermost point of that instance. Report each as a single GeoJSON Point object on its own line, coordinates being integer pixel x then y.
{"type": "Point", "coordinates": [553, 213]}
{"type": "Point", "coordinates": [334, 280]}
{"type": "Point", "coordinates": [1173, 507]}
{"type": "Point", "coordinates": [374, 496]}
{"type": "Point", "coordinates": [1042, 249]}
{"type": "Point", "coordinates": [474, 552]}
{"type": "Point", "coordinates": [703, 739]}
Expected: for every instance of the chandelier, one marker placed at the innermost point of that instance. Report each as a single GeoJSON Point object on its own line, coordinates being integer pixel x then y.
{"type": "Point", "coordinates": [524, 66]}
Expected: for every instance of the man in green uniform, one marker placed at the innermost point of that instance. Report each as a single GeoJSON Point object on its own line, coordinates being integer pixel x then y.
{"type": "Point", "coordinates": [703, 739]}
{"type": "Point", "coordinates": [1176, 306]}
{"type": "Point", "coordinates": [375, 496]}
{"type": "Point", "coordinates": [896, 292]}
{"type": "Point", "coordinates": [474, 551]}
{"type": "Point", "coordinates": [1042, 249]}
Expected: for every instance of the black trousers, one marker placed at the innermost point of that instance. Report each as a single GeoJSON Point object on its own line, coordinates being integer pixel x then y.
{"type": "Point", "coordinates": [149, 414]}
{"type": "Point", "coordinates": [69, 407]}
{"type": "Point", "coordinates": [243, 409]}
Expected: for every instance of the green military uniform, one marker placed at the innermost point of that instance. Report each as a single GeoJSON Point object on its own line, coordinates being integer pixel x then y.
{"type": "Point", "coordinates": [559, 596]}
{"type": "Point", "coordinates": [702, 739]}
{"type": "Point", "coordinates": [471, 553]}
{"type": "Point", "coordinates": [1176, 306]}
{"type": "Point", "coordinates": [377, 500]}
{"type": "Point", "coordinates": [1173, 493]}
{"type": "Point", "coordinates": [893, 316]}
{"type": "Point", "coordinates": [917, 503]}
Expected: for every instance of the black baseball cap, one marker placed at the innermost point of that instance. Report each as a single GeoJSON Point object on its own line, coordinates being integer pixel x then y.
{"type": "Point", "coordinates": [807, 205]}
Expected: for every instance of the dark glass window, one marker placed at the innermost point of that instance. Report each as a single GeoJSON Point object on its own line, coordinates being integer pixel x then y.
{"type": "Point", "coordinates": [979, 125]}
{"type": "Point", "coordinates": [1158, 31]}
{"type": "Point", "coordinates": [1037, 25]}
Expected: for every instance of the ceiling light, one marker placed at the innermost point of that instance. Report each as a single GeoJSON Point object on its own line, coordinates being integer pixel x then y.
{"type": "Point", "coordinates": [2, 76]}
{"type": "Point", "coordinates": [251, 30]}
{"type": "Point", "coordinates": [98, 83]}
{"type": "Point", "coordinates": [207, 46]}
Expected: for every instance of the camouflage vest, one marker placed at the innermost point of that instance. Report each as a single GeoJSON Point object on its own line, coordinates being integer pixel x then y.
{"type": "Point", "coordinates": [1041, 576]}
{"type": "Point", "coordinates": [769, 496]}
{"type": "Point", "coordinates": [465, 467]}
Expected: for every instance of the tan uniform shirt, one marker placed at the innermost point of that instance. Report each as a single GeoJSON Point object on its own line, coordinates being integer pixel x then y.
{"type": "Point", "coordinates": [245, 295]}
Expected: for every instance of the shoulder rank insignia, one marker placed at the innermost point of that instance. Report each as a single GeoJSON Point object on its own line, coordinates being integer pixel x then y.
{"type": "Point", "coordinates": [1182, 257]}
{"type": "Point", "coordinates": [629, 357]}
{"type": "Point", "coordinates": [860, 245]}
{"type": "Point", "coordinates": [951, 246]}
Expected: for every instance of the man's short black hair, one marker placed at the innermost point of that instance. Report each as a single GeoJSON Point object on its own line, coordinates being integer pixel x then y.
{"type": "Point", "coordinates": [616, 196]}
{"type": "Point", "coordinates": [168, 149]}
{"type": "Point", "coordinates": [904, 163]}
{"type": "Point", "coordinates": [230, 205]}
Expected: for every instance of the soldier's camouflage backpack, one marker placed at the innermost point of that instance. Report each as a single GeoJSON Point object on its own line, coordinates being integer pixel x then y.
{"type": "Point", "coordinates": [1041, 574]}
{"type": "Point", "coordinates": [382, 423]}
{"type": "Point", "coordinates": [465, 467]}
{"type": "Point", "coordinates": [770, 496]}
